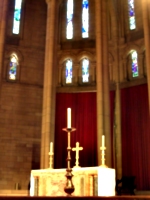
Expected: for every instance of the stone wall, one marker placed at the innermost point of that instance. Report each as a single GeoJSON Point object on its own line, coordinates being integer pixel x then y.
{"type": "Point", "coordinates": [21, 100]}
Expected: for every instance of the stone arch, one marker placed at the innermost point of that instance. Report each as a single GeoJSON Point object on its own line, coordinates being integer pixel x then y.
{"type": "Point", "coordinates": [67, 56]}
{"type": "Point", "coordinates": [130, 48]}
{"type": "Point", "coordinates": [87, 54]}
{"type": "Point", "coordinates": [15, 51]}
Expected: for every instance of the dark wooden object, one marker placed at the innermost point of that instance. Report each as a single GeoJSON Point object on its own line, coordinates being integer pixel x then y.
{"type": "Point", "coordinates": [125, 185]}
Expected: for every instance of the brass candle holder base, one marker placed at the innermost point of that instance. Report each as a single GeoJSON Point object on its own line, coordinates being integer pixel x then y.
{"type": "Point", "coordinates": [69, 188]}
{"type": "Point", "coordinates": [51, 160]}
{"type": "Point", "coordinates": [103, 157]}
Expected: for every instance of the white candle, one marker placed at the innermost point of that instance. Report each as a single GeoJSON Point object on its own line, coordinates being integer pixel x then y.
{"type": "Point", "coordinates": [51, 147]}
{"type": "Point", "coordinates": [103, 140]}
{"type": "Point", "coordinates": [68, 117]}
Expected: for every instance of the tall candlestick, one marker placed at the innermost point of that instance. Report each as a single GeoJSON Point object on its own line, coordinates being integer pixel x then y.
{"type": "Point", "coordinates": [103, 140]}
{"type": "Point", "coordinates": [68, 117]}
{"type": "Point", "coordinates": [51, 147]}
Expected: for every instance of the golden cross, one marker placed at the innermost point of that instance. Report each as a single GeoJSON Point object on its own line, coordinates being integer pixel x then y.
{"type": "Point", "coordinates": [77, 149]}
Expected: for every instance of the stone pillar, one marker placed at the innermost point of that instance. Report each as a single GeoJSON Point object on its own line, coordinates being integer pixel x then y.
{"type": "Point", "coordinates": [117, 133]}
{"type": "Point", "coordinates": [124, 69]}
{"type": "Point", "coordinates": [119, 75]}
{"type": "Point", "coordinates": [102, 75]}
{"type": "Point", "coordinates": [75, 73]}
{"type": "Point", "coordinates": [3, 13]}
{"type": "Point", "coordinates": [92, 72]}
{"type": "Point", "coordinates": [146, 23]}
{"type": "Point", "coordinates": [141, 63]}
{"type": "Point", "coordinates": [49, 89]}
{"type": "Point", "coordinates": [60, 69]}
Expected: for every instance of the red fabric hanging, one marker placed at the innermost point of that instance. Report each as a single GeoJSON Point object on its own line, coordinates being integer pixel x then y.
{"type": "Point", "coordinates": [136, 135]}
{"type": "Point", "coordinates": [83, 109]}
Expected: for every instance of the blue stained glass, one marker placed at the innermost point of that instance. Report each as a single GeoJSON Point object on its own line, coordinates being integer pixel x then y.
{"type": "Point", "coordinates": [85, 70]}
{"type": "Point", "coordinates": [69, 31]}
{"type": "Point", "coordinates": [69, 71]}
{"type": "Point", "coordinates": [13, 68]}
{"type": "Point", "coordinates": [85, 18]}
{"type": "Point", "coordinates": [135, 72]}
{"type": "Point", "coordinates": [17, 15]}
{"type": "Point", "coordinates": [131, 14]}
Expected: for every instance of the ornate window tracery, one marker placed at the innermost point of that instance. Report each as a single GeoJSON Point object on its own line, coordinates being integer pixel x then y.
{"type": "Point", "coordinates": [132, 23]}
{"type": "Point", "coordinates": [134, 58]}
{"type": "Point", "coordinates": [69, 31]}
{"type": "Point", "coordinates": [85, 70]}
{"type": "Point", "coordinates": [85, 18]}
{"type": "Point", "coordinates": [13, 67]}
{"type": "Point", "coordinates": [17, 17]}
{"type": "Point", "coordinates": [69, 71]}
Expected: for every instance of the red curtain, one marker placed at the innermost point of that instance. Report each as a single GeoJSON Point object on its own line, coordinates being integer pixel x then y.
{"type": "Point", "coordinates": [83, 109]}
{"type": "Point", "coordinates": [136, 135]}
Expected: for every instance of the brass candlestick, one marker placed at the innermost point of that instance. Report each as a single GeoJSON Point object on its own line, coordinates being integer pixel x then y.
{"type": "Point", "coordinates": [103, 148]}
{"type": "Point", "coordinates": [51, 160]}
{"type": "Point", "coordinates": [69, 188]}
{"type": "Point", "coordinates": [103, 156]}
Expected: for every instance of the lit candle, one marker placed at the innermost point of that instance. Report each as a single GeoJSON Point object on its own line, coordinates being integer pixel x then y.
{"type": "Point", "coordinates": [68, 117]}
{"type": "Point", "coordinates": [51, 147]}
{"type": "Point", "coordinates": [103, 140]}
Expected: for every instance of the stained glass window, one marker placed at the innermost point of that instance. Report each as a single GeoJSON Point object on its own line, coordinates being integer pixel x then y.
{"type": "Point", "coordinates": [17, 15]}
{"type": "Point", "coordinates": [12, 73]}
{"type": "Point", "coordinates": [85, 18]}
{"type": "Point", "coordinates": [131, 14]}
{"type": "Point", "coordinates": [85, 70]}
{"type": "Point", "coordinates": [69, 71]}
{"type": "Point", "coordinates": [134, 58]}
{"type": "Point", "coordinates": [69, 31]}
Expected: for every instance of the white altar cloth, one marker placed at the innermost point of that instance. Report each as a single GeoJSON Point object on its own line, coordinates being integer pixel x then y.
{"type": "Point", "coordinates": [88, 181]}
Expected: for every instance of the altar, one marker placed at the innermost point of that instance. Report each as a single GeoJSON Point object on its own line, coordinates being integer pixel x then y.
{"type": "Point", "coordinates": [87, 181]}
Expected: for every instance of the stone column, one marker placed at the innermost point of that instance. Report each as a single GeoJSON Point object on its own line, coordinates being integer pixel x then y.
{"type": "Point", "coordinates": [117, 34]}
{"type": "Point", "coordinates": [49, 89]}
{"type": "Point", "coordinates": [141, 63]}
{"type": "Point", "coordinates": [3, 13]}
{"type": "Point", "coordinates": [75, 73]}
{"type": "Point", "coordinates": [60, 68]}
{"type": "Point", "coordinates": [117, 133]}
{"type": "Point", "coordinates": [146, 23]}
{"type": "Point", "coordinates": [102, 75]}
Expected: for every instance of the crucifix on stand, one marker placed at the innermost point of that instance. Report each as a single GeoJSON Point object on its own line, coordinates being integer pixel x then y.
{"type": "Point", "coordinates": [77, 149]}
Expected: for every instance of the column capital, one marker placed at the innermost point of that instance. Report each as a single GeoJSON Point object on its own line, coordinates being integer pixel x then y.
{"type": "Point", "coordinates": [48, 1]}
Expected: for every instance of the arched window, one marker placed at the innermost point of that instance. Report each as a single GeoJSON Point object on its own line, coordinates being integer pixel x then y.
{"type": "Point", "coordinates": [132, 23]}
{"type": "Point", "coordinates": [85, 70]}
{"type": "Point", "coordinates": [17, 17]}
{"type": "Point", "coordinates": [134, 60]}
{"type": "Point", "coordinates": [12, 70]}
{"type": "Point", "coordinates": [69, 31]}
{"type": "Point", "coordinates": [69, 71]}
{"type": "Point", "coordinates": [85, 19]}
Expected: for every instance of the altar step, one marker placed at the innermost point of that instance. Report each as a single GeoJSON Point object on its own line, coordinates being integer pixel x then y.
{"type": "Point", "coordinates": [14, 193]}
{"type": "Point", "coordinates": [140, 197]}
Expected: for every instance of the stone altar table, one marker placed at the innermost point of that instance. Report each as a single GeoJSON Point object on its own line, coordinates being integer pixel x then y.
{"type": "Point", "coordinates": [88, 181]}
